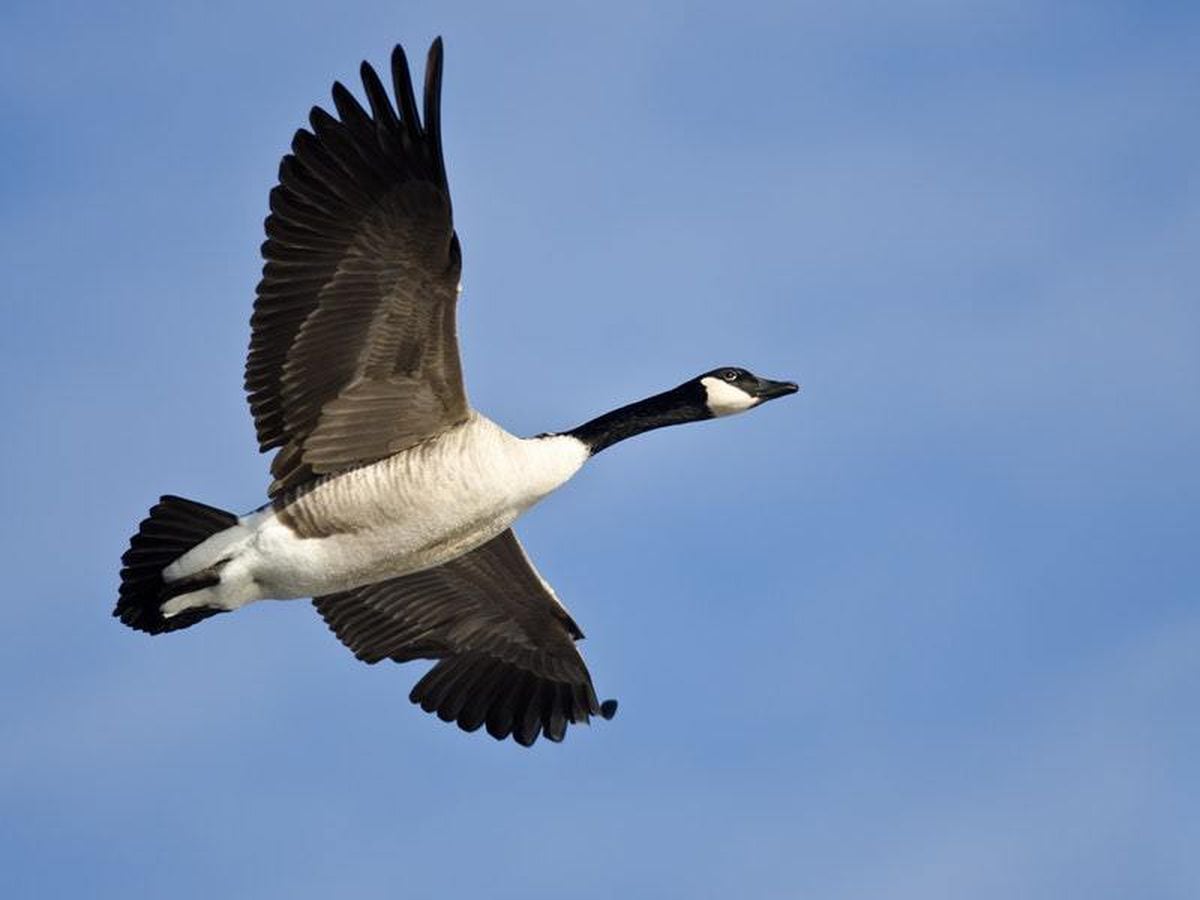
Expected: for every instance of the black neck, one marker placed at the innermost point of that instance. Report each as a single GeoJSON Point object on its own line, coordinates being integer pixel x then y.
{"type": "Point", "coordinates": [674, 407]}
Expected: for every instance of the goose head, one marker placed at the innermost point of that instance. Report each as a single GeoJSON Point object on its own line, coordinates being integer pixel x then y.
{"type": "Point", "coordinates": [719, 392]}
{"type": "Point", "coordinates": [732, 389]}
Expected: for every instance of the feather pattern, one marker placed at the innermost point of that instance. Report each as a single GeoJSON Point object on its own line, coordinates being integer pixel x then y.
{"type": "Point", "coordinates": [353, 354]}
{"type": "Point", "coordinates": [506, 644]}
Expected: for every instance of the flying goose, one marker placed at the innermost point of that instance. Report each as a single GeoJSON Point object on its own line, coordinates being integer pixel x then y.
{"type": "Point", "coordinates": [393, 500]}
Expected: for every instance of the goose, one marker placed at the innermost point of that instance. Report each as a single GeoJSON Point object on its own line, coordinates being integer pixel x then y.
{"type": "Point", "coordinates": [392, 500]}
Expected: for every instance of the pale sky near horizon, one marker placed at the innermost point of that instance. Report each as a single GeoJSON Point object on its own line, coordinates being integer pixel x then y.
{"type": "Point", "coordinates": [927, 629]}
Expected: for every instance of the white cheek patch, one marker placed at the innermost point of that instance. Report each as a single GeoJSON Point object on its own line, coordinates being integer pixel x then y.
{"type": "Point", "coordinates": [725, 399]}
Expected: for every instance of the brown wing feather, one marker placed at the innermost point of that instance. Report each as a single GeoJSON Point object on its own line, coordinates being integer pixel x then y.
{"type": "Point", "coordinates": [506, 645]}
{"type": "Point", "coordinates": [353, 354]}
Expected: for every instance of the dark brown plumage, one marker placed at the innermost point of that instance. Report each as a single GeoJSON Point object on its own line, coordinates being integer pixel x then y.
{"type": "Point", "coordinates": [506, 645]}
{"type": "Point", "coordinates": [353, 355]}
{"type": "Point", "coordinates": [353, 358]}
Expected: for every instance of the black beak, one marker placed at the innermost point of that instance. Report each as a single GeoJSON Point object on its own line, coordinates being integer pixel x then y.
{"type": "Point", "coordinates": [769, 390]}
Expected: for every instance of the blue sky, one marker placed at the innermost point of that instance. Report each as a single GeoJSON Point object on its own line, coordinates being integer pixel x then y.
{"type": "Point", "coordinates": [928, 629]}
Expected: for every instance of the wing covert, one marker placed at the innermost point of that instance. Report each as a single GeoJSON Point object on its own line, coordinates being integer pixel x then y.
{"type": "Point", "coordinates": [505, 644]}
{"type": "Point", "coordinates": [353, 354]}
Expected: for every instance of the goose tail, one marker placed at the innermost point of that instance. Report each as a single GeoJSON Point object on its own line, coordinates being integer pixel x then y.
{"type": "Point", "coordinates": [173, 527]}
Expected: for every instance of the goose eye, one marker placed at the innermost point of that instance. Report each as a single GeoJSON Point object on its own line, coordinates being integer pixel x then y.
{"type": "Point", "coordinates": [729, 375]}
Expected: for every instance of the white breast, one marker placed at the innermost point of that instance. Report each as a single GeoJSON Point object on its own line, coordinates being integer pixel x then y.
{"type": "Point", "coordinates": [417, 509]}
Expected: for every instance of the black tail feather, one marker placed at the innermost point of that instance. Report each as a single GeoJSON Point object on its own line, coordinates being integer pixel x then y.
{"type": "Point", "coordinates": [174, 526]}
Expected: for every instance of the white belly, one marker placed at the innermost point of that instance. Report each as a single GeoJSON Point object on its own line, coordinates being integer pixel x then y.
{"type": "Point", "coordinates": [284, 566]}
{"type": "Point", "coordinates": [412, 511]}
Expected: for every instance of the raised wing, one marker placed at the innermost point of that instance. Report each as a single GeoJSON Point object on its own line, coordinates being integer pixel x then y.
{"type": "Point", "coordinates": [353, 354]}
{"type": "Point", "coordinates": [506, 645]}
